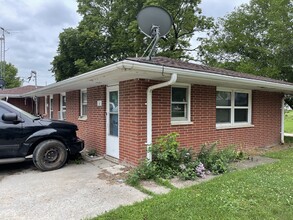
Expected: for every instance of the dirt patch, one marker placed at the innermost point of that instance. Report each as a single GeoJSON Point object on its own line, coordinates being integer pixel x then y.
{"type": "Point", "coordinates": [116, 178]}
{"type": "Point", "coordinates": [263, 150]}
{"type": "Point", "coordinates": [252, 161]}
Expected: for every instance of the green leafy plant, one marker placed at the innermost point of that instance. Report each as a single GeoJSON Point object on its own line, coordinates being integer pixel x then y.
{"type": "Point", "coordinates": [217, 161]}
{"type": "Point", "coordinates": [92, 152]}
{"type": "Point", "coordinates": [168, 156]}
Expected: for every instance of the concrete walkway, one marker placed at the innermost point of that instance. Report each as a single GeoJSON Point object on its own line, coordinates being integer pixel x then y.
{"type": "Point", "coordinates": [288, 135]}
{"type": "Point", "coordinates": [72, 192]}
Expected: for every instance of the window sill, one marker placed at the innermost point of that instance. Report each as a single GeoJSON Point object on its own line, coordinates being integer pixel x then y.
{"type": "Point", "coordinates": [82, 118]}
{"type": "Point", "coordinates": [181, 122]}
{"type": "Point", "coordinates": [220, 127]}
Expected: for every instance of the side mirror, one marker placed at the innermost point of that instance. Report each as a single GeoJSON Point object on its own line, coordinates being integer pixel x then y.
{"type": "Point", "coordinates": [10, 117]}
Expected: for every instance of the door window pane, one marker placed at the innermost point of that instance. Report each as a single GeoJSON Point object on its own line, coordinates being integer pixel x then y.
{"type": "Point", "coordinates": [241, 115]}
{"type": "Point", "coordinates": [223, 116]}
{"type": "Point", "coordinates": [241, 99]}
{"type": "Point", "coordinates": [113, 104]}
{"type": "Point", "coordinates": [114, 124]}
{"type": "Point", "coordinates": [223, 98]}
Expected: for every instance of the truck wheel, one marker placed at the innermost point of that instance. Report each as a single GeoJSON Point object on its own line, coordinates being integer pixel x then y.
{"type": "Point", "coordinates": [49, 155]}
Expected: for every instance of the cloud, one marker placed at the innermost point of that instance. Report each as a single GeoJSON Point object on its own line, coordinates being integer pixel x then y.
{"type": "Point", "coordinates": [34, 27]}
{"type": "Point", "coordinates": [219, 8]}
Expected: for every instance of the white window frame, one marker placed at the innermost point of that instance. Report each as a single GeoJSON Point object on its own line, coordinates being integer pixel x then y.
{"type": "Point", "coordinates": [51, 109]}
{"type": "Point", "coordinates": [234, 124]}
{"type": "Point", "coordinates": [46, 106]}
{"type": "Point", "coordinates": [82, 116]}
{"type": "Point", "coordinates": [180, 120]}
{"type": "Point", "coordinates": [62, 111]}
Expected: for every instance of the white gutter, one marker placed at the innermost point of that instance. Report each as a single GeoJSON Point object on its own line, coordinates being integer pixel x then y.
{"type": "Point", "coordinates": [282, 120]}
{"type": "Point", "coordinates": [149, 111]}
{"type": "Point", "coordinates": [146, 67]}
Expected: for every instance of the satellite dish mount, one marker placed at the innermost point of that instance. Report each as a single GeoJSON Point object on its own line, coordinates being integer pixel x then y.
{"type": "Point", "coordinates": [155, 22]}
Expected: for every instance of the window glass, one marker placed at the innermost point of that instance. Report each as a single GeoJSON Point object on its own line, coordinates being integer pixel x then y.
{"type": "Point", "coordinates": [223, 116]}
{"type": "Point", "coordinates": [180, 103]}
{"type": "Point", "coordinates": [113, 96]}
{"type": "Point", "coordinates": [241, 99]}
{"type": "Point", "coordinates": [233, 107]}
{"type": "Point", "coordinates": [179, 94]}
{"type": "Point", "coordinates": [63, 102]}
{"type": "Point", "coordinates": [178, 110]}
{"type": "Point", "coordinates": [241, 115]}
{"type": "Point", "coordinates": [83, 102]}
{"type": "Point", "coordinates": [223, 98]}
{"type": "Point", "coordinates": [114, 124]}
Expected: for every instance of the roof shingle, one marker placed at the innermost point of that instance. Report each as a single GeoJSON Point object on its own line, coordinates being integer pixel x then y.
{"type": "Point", "coordinates": [168, 62]}
{"type": "Point", "coordinates": [19, 90]}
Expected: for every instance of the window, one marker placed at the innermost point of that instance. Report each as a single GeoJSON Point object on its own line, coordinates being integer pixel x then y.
{"type": "Point", "coordinates": [233, 107]}
{"type": "Point", "coordinates": [180, 103]}
{"type": "Point", "coordinates": [62, 112]}
{"type": "Point", "coordinates": [83, 102]}
{"type": "Point", "coordinates": [51, 106]}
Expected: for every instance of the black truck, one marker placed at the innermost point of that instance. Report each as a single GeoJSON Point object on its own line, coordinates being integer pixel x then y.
{"type": "Point", "coordinates": [24, 136]}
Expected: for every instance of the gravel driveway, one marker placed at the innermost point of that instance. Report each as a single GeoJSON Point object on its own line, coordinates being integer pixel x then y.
{"type": "Point", "coordinates": [76, 191]}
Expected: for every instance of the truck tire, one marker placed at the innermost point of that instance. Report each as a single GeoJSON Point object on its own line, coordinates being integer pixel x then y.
{"type": "Point", "coordinates": [50, 155]}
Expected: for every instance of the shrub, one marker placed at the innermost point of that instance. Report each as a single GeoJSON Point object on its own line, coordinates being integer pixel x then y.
{"type": "Point", "coordinates": [169, 161]}
{"type": "Point", "coordinates": [167, 157]}
{"type": "Point", "coordinates": [217, 161]}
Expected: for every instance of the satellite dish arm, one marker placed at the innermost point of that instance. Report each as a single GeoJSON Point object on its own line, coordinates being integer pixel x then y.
{"type": "Point", "coordinates": [156, 34]}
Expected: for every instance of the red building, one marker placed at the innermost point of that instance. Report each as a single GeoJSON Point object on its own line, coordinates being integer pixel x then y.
{"type": "Point", "coordinates": [122, 108]}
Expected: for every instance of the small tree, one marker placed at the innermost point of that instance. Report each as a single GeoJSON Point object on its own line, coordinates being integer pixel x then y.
{"type": "Point", "coordinates": [10, 78]}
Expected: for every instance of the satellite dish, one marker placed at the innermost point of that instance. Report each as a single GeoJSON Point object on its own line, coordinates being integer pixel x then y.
{"type": "Point", "coordinates": [155, 22]}
{"type": "Point", "coordinates": [151, 17]}
{"type": "Point", "coordinates": [2, 83]}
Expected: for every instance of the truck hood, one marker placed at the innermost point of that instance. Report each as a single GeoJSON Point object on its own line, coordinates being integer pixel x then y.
{"type": "Point", "coordinates": [58, 124]}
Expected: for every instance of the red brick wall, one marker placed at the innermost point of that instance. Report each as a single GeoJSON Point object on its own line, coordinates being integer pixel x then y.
{"type": "Point", "coordinates": [56, 105]}
{"type": "Point", "coordinates": [93, 129]}
{"type": "Point", "coordinates": [41, 105]}
{"type": "Point", "coordinates": [26, 104]}
{"type": "Point", "coordinates": [266, 118]}
{"type": "Point", "coordinates": [132, 119]}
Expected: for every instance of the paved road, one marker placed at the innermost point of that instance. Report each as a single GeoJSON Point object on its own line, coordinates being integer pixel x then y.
{"type": "Point", "coordinates": [76, 191]}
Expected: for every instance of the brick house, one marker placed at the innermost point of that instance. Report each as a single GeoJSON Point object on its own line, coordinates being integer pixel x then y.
{"type": "Point", "coordinates": [121, 108]}
{"type": "Point", "coordinates": [17, 97]}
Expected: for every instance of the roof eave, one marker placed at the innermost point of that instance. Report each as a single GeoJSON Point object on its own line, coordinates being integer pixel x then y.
{"type": "Point", "coordinates": [147, 68]}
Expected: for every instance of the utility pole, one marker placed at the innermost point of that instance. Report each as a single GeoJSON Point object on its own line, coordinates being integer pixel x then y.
{"type": "Point", "coordinates": [34, 74]}
{"type": "Point", "coordinates": [2, 57]}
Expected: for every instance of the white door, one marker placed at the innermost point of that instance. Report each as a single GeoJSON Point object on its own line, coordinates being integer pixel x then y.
{"type": "Point", "coordinates": [112, 128]}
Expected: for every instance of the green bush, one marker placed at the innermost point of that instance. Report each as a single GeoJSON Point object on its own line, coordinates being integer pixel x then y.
{"type": "Point", "coordinates": [167, 157]}
{"type": "Point", "coordinates": [218, 161]}
{"type": "Point", "coordinates": [169, 160]}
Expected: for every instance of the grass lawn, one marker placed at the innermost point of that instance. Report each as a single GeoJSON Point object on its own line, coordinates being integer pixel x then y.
{"type": "Point", "coordinates": [263, 192]}
{"type": "Point", "coordinates": [289, 122]}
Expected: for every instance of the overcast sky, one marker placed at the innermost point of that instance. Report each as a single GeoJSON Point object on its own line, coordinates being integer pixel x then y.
{"type": "Point", "coordinates": [34, 27]}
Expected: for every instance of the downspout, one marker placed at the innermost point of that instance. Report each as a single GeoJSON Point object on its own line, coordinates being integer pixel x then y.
{"type": "Point", "coordinates": [149, 110]}
{"type": "Point", "coordinates": [282, 120]}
